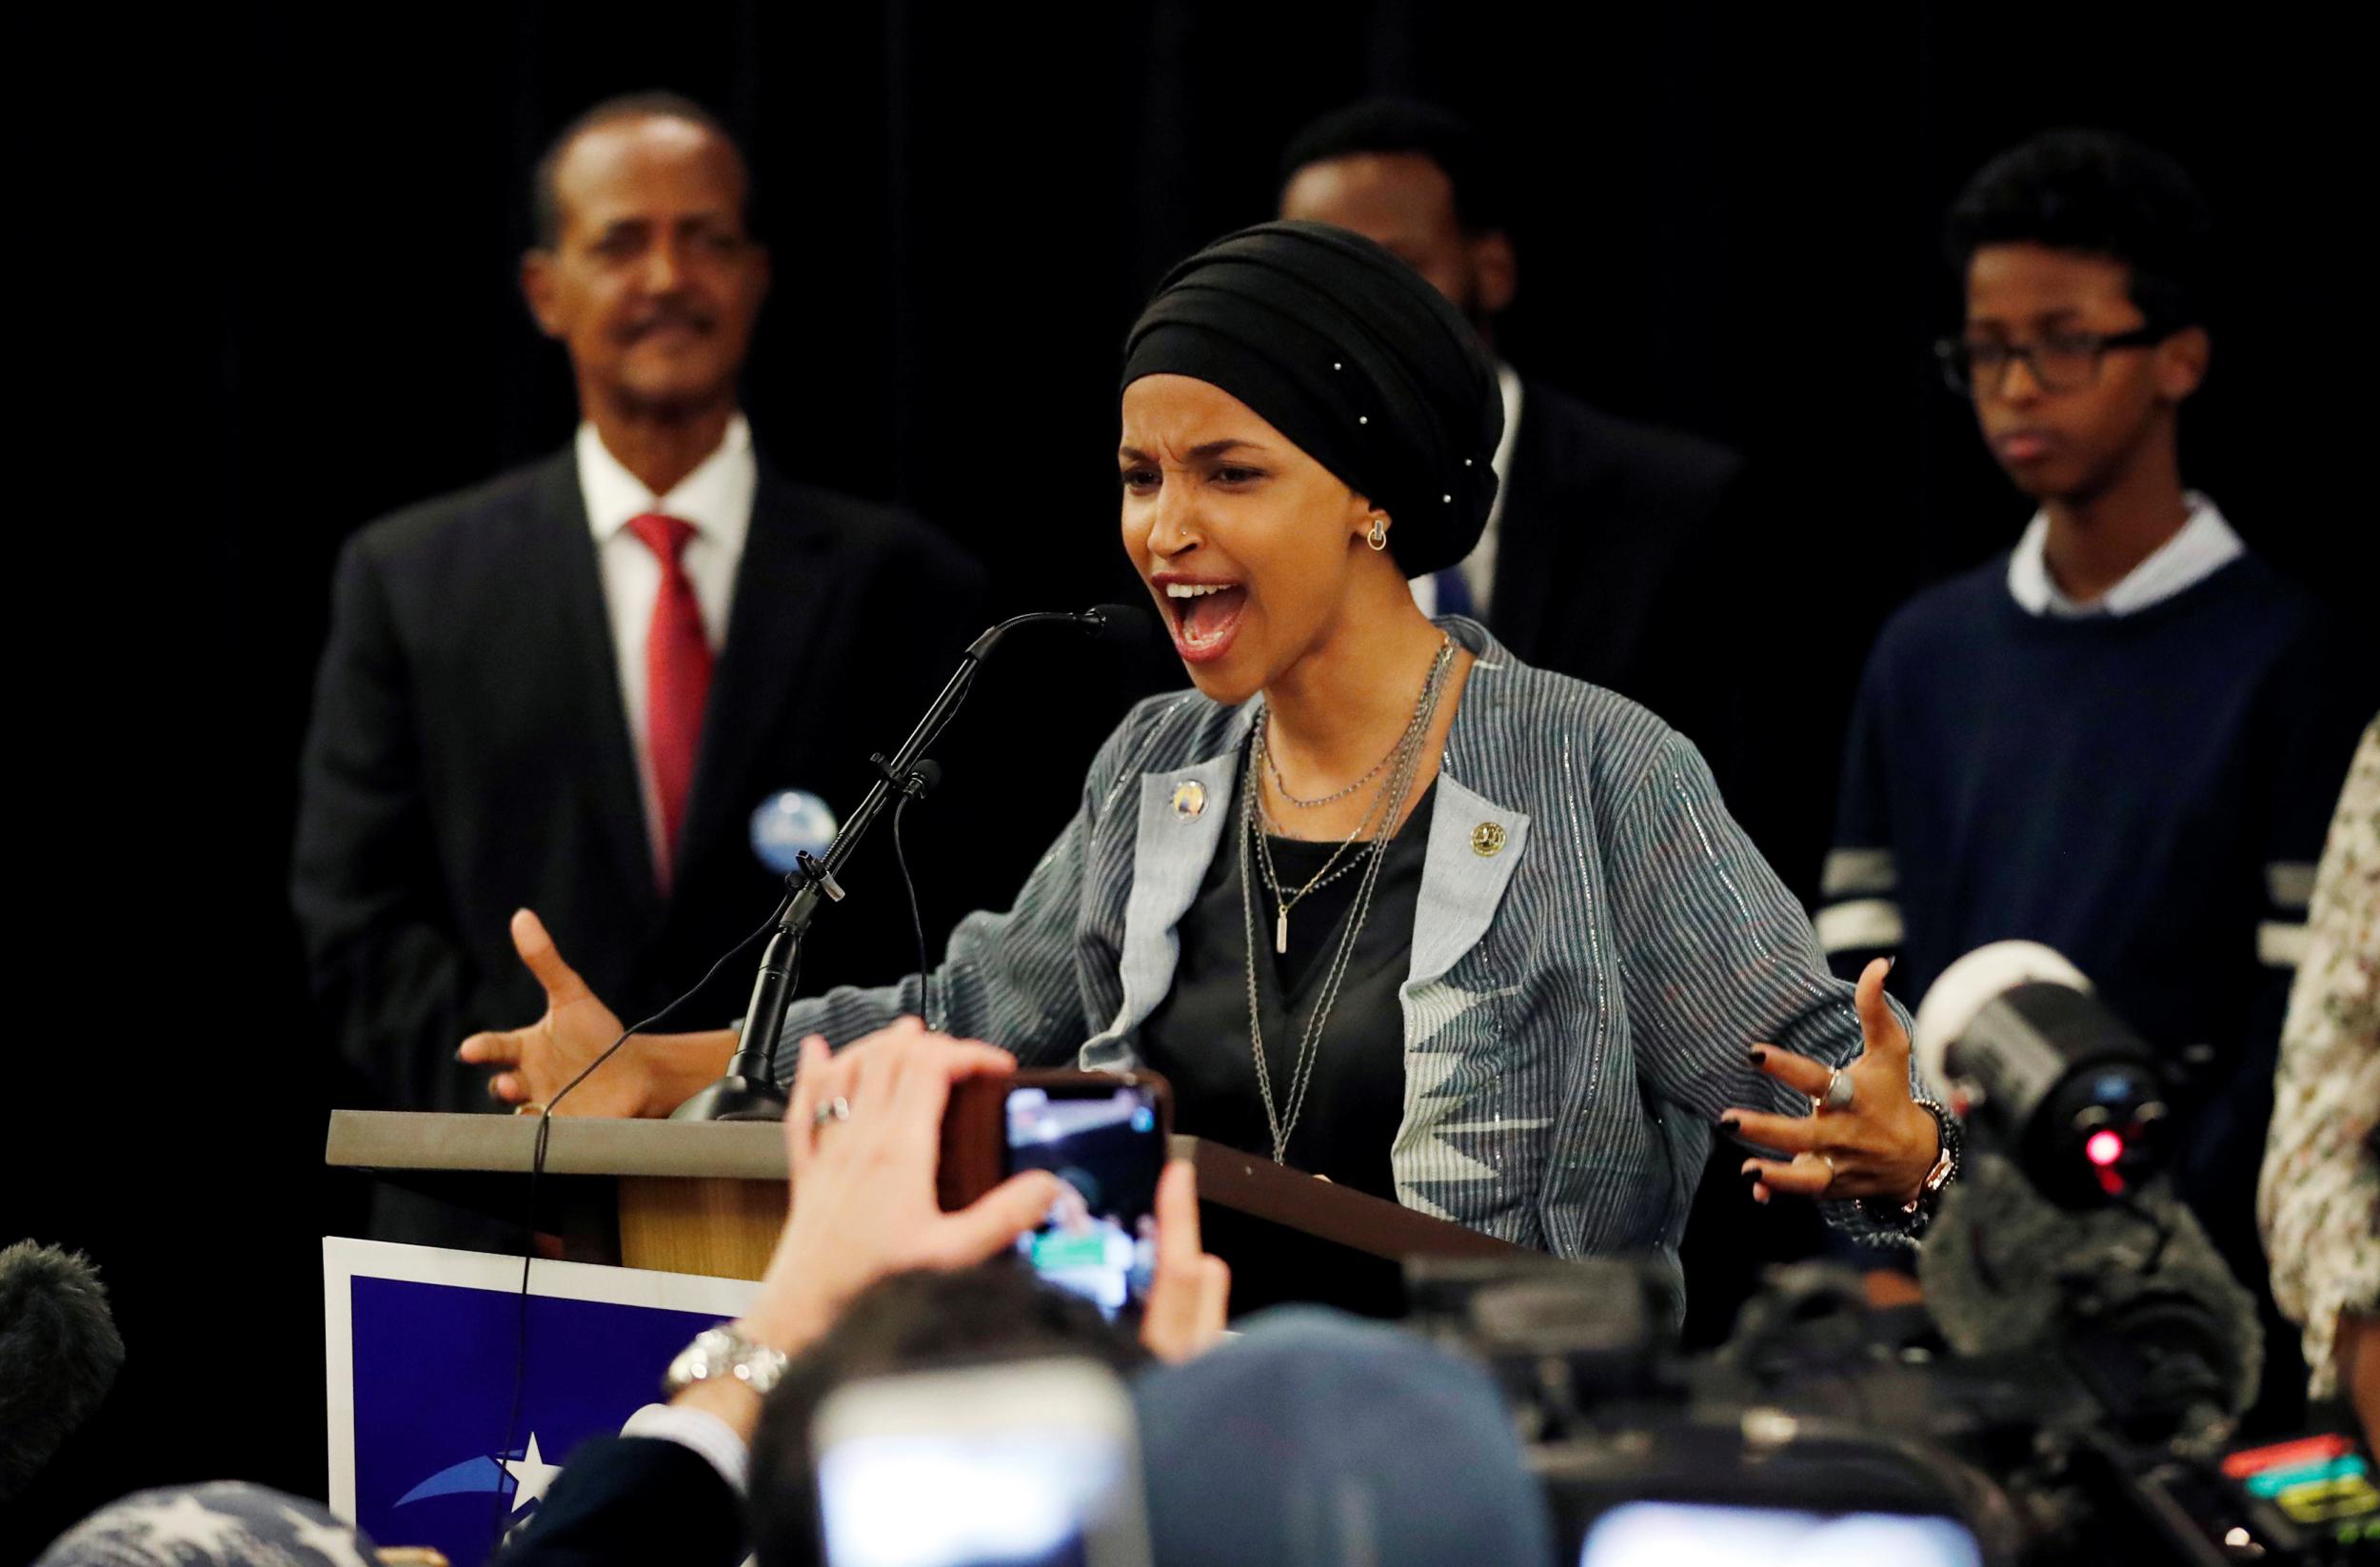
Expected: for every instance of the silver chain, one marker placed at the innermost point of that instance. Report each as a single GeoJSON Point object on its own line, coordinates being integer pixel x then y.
{"type": "Point", "coordinates": [1281, 785]}
{"type": "Point", "coordinates": [1398, 789]}
{"type": "Point", "coordinates": [1424, 709]}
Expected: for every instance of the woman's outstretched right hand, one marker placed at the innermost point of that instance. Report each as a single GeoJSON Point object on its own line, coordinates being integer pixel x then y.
{"type": "Point", "coordinates": [536, 1062]}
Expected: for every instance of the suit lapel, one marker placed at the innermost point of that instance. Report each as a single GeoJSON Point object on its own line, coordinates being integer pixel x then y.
{"type": "Point", "coordinates": [590, 667]}
{"type": "Point", "coordinates": [772, 623]}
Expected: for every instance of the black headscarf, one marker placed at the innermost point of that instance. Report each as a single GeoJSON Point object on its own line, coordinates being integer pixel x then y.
{"type": "Point", "coordinates": [1352, 355]}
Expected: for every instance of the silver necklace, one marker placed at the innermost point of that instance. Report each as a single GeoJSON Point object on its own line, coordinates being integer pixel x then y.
{"type": "Point", "coordinates": [1283, 1121]}
{"type": "Point", "coordinates": [1424, 709]}
{"type": "Point", "coordinates": [1281, 784]}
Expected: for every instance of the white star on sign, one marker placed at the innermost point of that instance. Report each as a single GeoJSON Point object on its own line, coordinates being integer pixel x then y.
{"type": "Point", "coordinates": [530, 1475]}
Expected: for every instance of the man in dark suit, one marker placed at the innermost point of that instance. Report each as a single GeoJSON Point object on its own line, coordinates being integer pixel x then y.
{"type": "Point", "coordinates": [1597, 561]}
{"type": "Point", "coordinates": [570, 688]}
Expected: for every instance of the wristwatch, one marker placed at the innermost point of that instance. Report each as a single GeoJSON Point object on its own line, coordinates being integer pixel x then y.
{"type": "Point", "coordinates": [723, 1352]}
{"type": "Point", "coordinates": [1911, 1218]}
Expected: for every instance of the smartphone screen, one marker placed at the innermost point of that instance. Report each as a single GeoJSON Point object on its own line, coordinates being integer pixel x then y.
{"type": "Point", "coordinates": [1668, 1534]}
{"type": "Point", "coordinates": [1000, 1466]}
{"type": "Point", "coordinates": [1107, 1145]}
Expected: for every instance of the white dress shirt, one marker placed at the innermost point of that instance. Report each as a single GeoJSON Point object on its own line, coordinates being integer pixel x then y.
{"type": "Point", "coordinates": [1478, 568]}
{"type": "Point", "coordinates": [698, 1430]}
{"type": "Point", "coordinates": [2205, 546]}
{"type": "Point", "coordinates": [717, 499]}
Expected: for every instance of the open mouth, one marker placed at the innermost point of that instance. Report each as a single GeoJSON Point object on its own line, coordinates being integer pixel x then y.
{"type": "Point", "coordinates": [1203, 617]}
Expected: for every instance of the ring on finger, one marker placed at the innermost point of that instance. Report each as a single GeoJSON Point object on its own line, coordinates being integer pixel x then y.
{"type": "Point", "coordinates": [1830, 1169]}
{"type": "Point", "coordinates": [837, 1108]}
{"type": "Point", "coordinates": [530, 1107]}
{"type": "Point", "coordinates": [1836, 1095]}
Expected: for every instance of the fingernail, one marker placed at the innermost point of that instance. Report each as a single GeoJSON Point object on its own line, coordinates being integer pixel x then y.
{"type": "Point", "coordinates": [1759, 1057]}
{"type": "Point", "coordinates": [1889, 962]}
{"type": "Point", "coordinates": [1727, 1123]}
{"type": "Point", "coordinates": [1751, 1174]}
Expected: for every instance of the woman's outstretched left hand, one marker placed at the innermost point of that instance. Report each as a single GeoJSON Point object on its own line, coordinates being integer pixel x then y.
{"type": "Point", "coordinates": [1881, 1144]}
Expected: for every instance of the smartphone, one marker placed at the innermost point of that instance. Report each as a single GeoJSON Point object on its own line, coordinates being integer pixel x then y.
{"type": "Point", "coordinates": [1677, 1534]}
{"type": "Point", "coordinates": [1106, 1144]}
{"type": "Point", "coordinates": [1104, 1136]}
{"type": "Point", "coordinates": [1034, 1464]}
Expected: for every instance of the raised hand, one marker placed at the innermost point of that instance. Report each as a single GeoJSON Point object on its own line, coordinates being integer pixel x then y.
{"type": "Point", "coordinates": [865, 1206]}
{"type": "Point", "coordinates": [537, 1062]}
{"type": "Point", "coordinates": [1880, 1144]}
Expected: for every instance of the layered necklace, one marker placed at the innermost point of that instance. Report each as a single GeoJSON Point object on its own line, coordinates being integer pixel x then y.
{"type": "Point", "coordinates": [1364, 850]}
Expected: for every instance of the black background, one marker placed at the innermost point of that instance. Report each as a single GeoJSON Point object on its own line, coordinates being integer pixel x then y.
{"type": "Point", "coordinates": [281, 300]}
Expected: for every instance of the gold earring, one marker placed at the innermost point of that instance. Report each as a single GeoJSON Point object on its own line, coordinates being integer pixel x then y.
{"type": "Point", "coordinates": [1378, 538]}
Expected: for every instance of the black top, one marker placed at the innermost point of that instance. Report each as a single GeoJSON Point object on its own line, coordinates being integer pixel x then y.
{"type": "Point", "coordinates": [1197, 1037]}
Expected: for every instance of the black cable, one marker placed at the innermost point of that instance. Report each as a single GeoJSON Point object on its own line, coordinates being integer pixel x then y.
{"type": "Point", "coordinates": [2130, 1202]}
{"type": "Point", "coordinates": [917, 920]}
{"type": "Point", "coordinates": [537, 1168]}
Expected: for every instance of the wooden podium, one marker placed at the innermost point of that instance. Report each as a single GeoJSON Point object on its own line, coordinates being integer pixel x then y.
{"type": "Point", "coordinates": [710, 1198]}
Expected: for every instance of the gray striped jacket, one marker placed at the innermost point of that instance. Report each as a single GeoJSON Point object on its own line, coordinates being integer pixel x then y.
{"type": "Point", "coordinates": [1581, 990]}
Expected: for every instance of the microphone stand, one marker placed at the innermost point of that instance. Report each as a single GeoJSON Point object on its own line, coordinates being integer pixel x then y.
{"type": "Point", "coordinates": [750, 1090]}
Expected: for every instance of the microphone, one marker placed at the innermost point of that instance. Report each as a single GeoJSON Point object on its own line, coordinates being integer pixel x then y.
{"type": "Point", "coordinates": [2057, 1232]}
{"type": "Point", "coordinates": [1108, 622]}
{"type": "Point", "coordinates": [2136, 1301]}
{"type": "Point", "coordinates": [2041, 1069]}
{"type": "Point", "coordinates": [1118, 622]}
{"type": "Point", "coordinates": [749, 1091]}
{"type": "Point", "coordinates": [59, 1353]}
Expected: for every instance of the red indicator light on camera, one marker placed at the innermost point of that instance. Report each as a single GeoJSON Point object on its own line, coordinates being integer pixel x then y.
{"type": "Point", "coordinates": [2103, 1148]}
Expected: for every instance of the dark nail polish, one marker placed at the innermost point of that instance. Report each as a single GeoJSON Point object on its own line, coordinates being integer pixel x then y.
{"type": "Point", "coordinates": [1758, 1056]}
{"type": "Point", "coordinates": [1752, 1176]}
{"type": "Point", "coordinates": [1727, 1123]}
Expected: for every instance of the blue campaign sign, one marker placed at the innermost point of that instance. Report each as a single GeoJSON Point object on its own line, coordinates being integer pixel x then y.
{"type": "Point", "coordinates": [423, 1348]}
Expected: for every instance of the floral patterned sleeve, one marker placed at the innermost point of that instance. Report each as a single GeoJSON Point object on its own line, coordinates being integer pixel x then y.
{"type": "Point", "coordinates": [2319, 1197]}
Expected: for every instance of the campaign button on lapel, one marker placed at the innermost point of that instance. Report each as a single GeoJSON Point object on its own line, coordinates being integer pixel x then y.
{"type": "Point", "coordinates": [1189, 799]}
{"type": "Point", "coordinates": [1487, 838]}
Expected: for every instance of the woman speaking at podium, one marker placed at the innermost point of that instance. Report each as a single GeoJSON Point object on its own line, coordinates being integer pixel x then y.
{"type": "Point", "coordinates": [1382, 903]}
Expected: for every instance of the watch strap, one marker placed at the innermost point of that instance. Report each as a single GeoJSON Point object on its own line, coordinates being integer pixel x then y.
{"type": "Point", "coordinates": [723, 1353]}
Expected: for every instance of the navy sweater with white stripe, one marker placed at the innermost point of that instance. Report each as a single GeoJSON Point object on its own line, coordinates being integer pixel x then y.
{"type": "Point", "coordinates": [2146, 793]}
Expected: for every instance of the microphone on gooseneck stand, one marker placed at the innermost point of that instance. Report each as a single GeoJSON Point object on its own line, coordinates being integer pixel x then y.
{"type": "Point", "coordinates": [750, 1090]}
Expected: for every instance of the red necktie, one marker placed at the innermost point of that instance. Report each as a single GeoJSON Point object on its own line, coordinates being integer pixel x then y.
{"type": "Point", "coordinates": [677, 678]}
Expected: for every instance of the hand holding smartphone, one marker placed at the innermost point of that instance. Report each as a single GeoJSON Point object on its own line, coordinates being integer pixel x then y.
{"type": "Point", "coordinates": [1105, 1137]}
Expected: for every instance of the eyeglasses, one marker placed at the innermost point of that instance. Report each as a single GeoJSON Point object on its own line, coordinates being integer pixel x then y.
{"type": "Point", "coordinates": [2061, 362]}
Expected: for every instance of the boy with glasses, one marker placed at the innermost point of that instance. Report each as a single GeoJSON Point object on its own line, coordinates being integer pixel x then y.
{"type": "Point", "coordinates": [2123, 736]}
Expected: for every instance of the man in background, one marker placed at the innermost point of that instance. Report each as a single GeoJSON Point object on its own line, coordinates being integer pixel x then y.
{"type": "Point", "coordinates": [569, 689]}
{"type": "Point", "coordinates": [2123, 736]}
{"type": "Point", "coordinates": [1617, 552]}
{"type": "Point", "coordinates": [1598, 555]}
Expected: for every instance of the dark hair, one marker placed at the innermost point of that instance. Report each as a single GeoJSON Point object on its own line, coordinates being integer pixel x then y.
{"type": "Point", "coordinates": [546, 199]}
{"type": "Point", "coordinates": [59, 1353]}
{"type": "Point", "coordinates": [912, 1321]}
{"type": "Point", "coordinates": [1407, 125]}
{"type": "Point", "coordinates": [2097, 193]}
